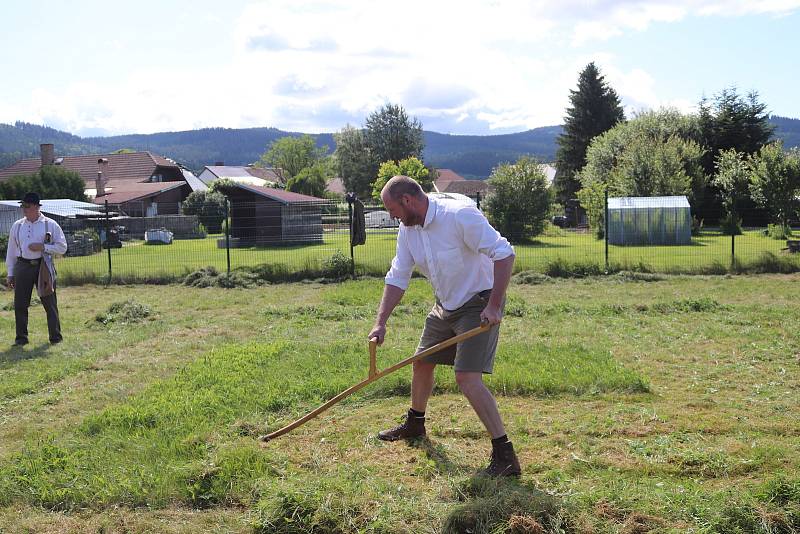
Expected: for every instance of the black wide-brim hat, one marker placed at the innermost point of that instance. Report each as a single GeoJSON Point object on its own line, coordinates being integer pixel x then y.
{"type": "Point", "coordinates": [31, 198]}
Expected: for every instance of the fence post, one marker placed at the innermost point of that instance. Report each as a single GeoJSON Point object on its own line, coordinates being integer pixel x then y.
{"type": "Point", "coordinates": [108, 248]}
{"type": "Point", "coordinates": [350, 199]}
{"type": "Point", "coordinates": [605, 230]}
{"type": "Point", "coordinates": [227, 236]}
{"type": "Point", "coordinates": [733, 245]}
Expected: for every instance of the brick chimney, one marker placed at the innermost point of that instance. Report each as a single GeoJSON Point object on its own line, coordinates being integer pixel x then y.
{"type": "Point", "coordinates": [48, 153]}
{"type": "Point", "coordinates": [219, 164]}
{"type": "Point", "coordinates": [102, 177]}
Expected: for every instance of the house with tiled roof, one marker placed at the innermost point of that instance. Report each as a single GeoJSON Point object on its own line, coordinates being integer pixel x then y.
{"type": "Point", "coordinates": [136, 183]}
{"type": "Point", "coordinates": [271, 216]}
{"type": "Point", "coordinates": [449, 181]}
{"type": "Point", "coordinates": [243, 174]}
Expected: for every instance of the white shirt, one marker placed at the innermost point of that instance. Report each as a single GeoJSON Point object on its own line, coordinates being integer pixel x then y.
{"type": "Point", "coordinates": [455, 249]}
{"type": "Point", "coordinates": [33, 232]}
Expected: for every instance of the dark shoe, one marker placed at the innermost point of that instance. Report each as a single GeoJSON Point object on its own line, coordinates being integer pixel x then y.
{"type": "Point", "coordinates": [412, 427]}
{"type": "Point", "coordinates": [20, 342]}
{"type": "Point", "coordinates": [54, 341]}
{"type": "Point", "coordinates": [504, 462]}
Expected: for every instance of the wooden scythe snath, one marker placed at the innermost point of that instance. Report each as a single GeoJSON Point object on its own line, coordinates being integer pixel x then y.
{"type": "Point", "coordinates": [374, 375]}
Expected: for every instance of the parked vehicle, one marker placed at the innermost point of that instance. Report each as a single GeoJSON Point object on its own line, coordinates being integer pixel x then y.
{"type": "Point", "coordinates": [158, 236]}
{"type": "Point", "coordinates": [560, 220]}
{"type": "Point", "coordinates": [380, 219]}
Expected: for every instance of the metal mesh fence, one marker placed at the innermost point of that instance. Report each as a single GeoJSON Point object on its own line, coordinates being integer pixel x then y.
{"type": "Point", "coordinates": [303, 240]}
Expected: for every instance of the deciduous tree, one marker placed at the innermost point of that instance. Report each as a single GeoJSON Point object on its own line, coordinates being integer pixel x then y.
{"type": "Point", "coordinates": [411, 167]}
{"type": "Point", "coordinates": [289, 155]}
{"type": "Point", "coordinates": [354, 161]}
{"type": "Point", "coordinates": [775, 181]}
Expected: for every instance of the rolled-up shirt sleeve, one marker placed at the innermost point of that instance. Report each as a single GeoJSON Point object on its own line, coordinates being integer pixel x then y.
{"type": "Point", "coordinates": [11, 252]}
{"type": "Point", "coordinates": [481, 237]}
{"type": "Point", "coordinates": [59, 244]}
{"type": "Point", "coordinates": [399, 273]}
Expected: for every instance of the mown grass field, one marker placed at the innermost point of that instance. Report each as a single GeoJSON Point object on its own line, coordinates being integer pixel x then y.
{"type": "Point", "coordinates": [136, 261]}
{"type": "Point", "coordinates": [668, 405]}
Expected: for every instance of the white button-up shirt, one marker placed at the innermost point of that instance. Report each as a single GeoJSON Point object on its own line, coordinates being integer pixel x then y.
{"type": "Point", "coordinates": [33, 232]}
{"type": "Point", "coordinates": [455, 249]}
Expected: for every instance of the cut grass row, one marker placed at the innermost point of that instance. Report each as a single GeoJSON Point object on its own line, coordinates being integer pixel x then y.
{"type": "Point", "coordinates": [709, 253]}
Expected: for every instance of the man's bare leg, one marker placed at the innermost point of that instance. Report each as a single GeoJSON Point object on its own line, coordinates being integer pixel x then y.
{"type": "Point", "coordinates": [482, 401]}
{"type": "Point", "coordinates": [421, 384]}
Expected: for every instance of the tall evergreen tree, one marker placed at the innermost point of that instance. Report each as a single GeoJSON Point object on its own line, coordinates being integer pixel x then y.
{"type": "Point", "coordinates": [730, 121]}
{"type": "Point", "coordinates": [595, 108]}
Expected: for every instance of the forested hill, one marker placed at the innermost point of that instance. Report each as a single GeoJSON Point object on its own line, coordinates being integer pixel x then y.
{"type": "Point", "coordinates": [787, 129]}
{"type": "Point", "coordinates": [470, 155]}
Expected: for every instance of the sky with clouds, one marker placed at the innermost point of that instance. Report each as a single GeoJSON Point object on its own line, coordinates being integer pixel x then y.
{"type": "Point", "coordinates": [463, 67]}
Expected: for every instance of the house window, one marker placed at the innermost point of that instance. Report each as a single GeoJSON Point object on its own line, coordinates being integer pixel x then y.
{"type": "Point", "coordinates": [157, 178]}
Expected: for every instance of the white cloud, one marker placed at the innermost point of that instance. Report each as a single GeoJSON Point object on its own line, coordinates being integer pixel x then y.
{"type": "Point", "coordinates": [465, 66]}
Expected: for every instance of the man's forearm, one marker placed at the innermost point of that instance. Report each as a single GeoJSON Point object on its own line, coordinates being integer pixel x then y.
{"type": "Point", "coordinates": [391, 297]}
{"type": "Point", "coordinates": [502, 275]}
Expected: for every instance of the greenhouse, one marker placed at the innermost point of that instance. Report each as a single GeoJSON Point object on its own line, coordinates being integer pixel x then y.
{"type": "Point", "coordinates": [649, 221]}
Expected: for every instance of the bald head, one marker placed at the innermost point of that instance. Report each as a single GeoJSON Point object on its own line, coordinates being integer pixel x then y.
{"type": "Point", "coordinates": [397, 186]}
{"type": "Point", "coordinates": [405, 200]}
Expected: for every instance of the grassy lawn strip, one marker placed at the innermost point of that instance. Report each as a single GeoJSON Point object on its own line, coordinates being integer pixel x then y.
{"type": "Point", "coordinates": [709, 253]}
{"type": "Point", "coordinates": [638, 403]}
{"type": "Point", "coordinates": [26, 370]}
{"type": "Point", "coordinates": [152, 450]}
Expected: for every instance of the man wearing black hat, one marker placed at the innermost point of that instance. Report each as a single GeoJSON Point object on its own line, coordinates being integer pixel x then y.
{"type": "Point", "coordinates": [32, 241]}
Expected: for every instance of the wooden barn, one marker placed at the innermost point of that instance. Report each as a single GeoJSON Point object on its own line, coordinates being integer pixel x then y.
{"type": "Point", "coordinates": [269, 216]}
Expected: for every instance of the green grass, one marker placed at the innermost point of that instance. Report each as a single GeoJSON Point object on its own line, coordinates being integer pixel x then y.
{"type": "Point", "coordinates": [665, 403]}
{"type": "Point", "coordinates": [564, 252]}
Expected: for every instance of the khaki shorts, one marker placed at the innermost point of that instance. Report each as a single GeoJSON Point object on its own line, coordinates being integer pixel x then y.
{"type": "Point", "coordinates": [475, 354]}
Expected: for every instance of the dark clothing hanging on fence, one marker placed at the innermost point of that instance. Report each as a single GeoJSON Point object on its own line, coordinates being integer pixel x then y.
{"type": "Point", "coordinates": [358, 232]}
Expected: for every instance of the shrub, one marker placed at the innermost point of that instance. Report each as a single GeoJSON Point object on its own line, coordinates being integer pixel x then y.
{"type": "Point", "coordinates": [778, 231]}
{"type": "Point", "coordinates": [768, 263]}
{"type": "Point", "coordinates": [730, 224]}
{"type": "Point", "coordinates": [3, 244]}
{"type": "Point", "coordinates": [337, 266]}
{"type": "Point", "coordinates": [209, 206]}
{"type": "Point", "coordinates": [51, 181]}
{"type": "Point", "coordinates": [561, 268]}
{"type": "Point", "coordinates": [520, 203]}
{"type": "Point", "coordinates": [91, 235]}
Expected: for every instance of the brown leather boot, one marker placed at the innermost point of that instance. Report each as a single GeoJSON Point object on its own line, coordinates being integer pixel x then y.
{"type": "Point", "coordinates": [412, 427]}
{"type": "Point", "coordinates": [504, 462]}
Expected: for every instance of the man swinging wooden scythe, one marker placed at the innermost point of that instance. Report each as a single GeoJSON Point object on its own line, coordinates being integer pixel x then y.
{"type": "Point", "coordinates": [469, 265]}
